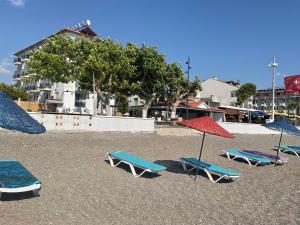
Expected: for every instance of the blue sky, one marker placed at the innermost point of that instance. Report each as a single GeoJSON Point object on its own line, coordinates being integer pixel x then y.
{"type": "Point", "coordinates": [230, 39]}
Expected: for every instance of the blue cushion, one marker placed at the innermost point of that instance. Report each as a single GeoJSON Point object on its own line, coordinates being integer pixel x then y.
{"type": "Point", "coordinates": [136, 161]}
{"type": "Point", "coordinates": [263, 160]}
{"type": "Point", "coordinates": [14, 175]}
{"type": "Point", "coordinates": [211, 167]}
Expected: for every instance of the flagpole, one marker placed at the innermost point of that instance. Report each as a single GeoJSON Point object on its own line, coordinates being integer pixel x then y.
{"type": "Point", "coordinates": [273, 65]}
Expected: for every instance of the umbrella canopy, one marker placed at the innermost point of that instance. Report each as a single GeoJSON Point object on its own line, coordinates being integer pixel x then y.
{"type": "Point", "coordinates": [283, 126]}
{"type": "Point", "coordinates": [13, 117]}
{"type": "Point", "coordinates": [206, 125]}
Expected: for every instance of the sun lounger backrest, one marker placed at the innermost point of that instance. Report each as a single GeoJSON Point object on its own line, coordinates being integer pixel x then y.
{"type": "Point", "coordinates": [136, 161]}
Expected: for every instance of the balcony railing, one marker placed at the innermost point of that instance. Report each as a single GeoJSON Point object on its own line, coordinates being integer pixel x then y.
{"type": "Point", "coordinates": [30, 87]}
{"type": "Point", "coordinates": [45, 86]}
{"type": "Point", "coordinates": [17, 61]}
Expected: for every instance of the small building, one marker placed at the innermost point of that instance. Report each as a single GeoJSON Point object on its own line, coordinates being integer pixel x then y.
{"type": "Point", "coordinates": [216, 92]}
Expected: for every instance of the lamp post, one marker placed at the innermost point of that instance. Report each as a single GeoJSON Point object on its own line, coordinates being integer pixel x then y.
{"type": "Point", "coordinates": [273, 65]}
{"type": "Point", "coordinates": [187, 94]}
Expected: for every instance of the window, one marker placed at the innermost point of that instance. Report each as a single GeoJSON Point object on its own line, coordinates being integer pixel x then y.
{"type": "Point", "coordinates": [232, 94]}
{"type": "Point", "coordinates": [135, 101]}
{"type": "Point", "coordinates": [80, 100]}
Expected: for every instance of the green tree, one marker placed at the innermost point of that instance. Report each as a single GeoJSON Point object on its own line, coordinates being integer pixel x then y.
{"type": "Point", "coordinates": [56, 60]}
{"type": "Point", "coordinates": [63, 59]}
{"type": "Point", "coordinates": [14, 92]}
{"type": "Point", "coordinates": [121, 103]}
{"type": "Point", "coordinates": [178, 87]}
{"type": "Point", "coordinates": [111, 67]}
{"type": "Point", "coordinates": [245, 92]}
{"type": "Point", "coordinates": [149, 76]}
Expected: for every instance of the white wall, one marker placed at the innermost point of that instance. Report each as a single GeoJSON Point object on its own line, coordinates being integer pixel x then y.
{"type": "Point", "coordinates": [246, 128]}
{"type": "Point", "coordinates": [94, 123]}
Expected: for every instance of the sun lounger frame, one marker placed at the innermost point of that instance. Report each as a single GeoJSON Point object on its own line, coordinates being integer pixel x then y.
{"type": "Point", "coordinates": [208, 172]}
{"type": "Point", "coordinates": [248, 160]}
{"type": "Point", "coordinates": [133, 171]}
{"type": "Point", "coordinates": [34, 188]}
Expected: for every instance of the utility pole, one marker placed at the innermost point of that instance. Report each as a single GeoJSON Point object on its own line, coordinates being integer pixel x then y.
{"type": "Point", "coordinates": [273, 65]}
{"type": "Point", "coordinates": [187, 94]}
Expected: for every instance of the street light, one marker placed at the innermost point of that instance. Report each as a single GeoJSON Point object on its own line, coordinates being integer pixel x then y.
{"type": "Point", "coordinates": [273, 65]}
{"type": "Point", "coordinates": [187, 94]}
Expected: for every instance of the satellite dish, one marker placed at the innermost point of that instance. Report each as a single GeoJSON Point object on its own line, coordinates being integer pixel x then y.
{"type": "Point", "coordinates": [88, 22]}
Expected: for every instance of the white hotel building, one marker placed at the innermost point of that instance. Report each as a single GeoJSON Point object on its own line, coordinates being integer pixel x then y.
{"type": "Point", "coordinates": [56, 97]}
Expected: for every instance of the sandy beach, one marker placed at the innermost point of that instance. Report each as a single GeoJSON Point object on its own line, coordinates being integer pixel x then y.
{"type": "Point", "coordinates": [80, 187]}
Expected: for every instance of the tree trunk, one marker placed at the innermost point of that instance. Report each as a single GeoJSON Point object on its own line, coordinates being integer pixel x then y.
{"type": "Point", "coordinates": [101, 100]}
{"type": "Point", "coordinates": [109, 113]}
{"type": "Point", "coordinates": [174, 108]}
{"type": "Point", "coordinates": [146, 106]}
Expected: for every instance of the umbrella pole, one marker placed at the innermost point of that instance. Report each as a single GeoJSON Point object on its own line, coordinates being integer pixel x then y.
{"type": "Point", "coordinates": [202, 146]}
{"type": "Point", "coordinates": [278, 147]}
{"type": "Point", "coordinates": [203, 137]}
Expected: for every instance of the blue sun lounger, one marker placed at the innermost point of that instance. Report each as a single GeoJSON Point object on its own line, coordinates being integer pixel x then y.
{"type": "Point", "coordinates": [15, 178]}
{"type": "Point", "coordinates": [289, 148]}
{"type": "Point", "coordinates": [134, 161]}
{"type": "Point", "coordinates": [208, 169]}
{"type": "Point", "coordinates": [249, 158]}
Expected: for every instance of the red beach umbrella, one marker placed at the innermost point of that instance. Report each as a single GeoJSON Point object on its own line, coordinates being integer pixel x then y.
{"type": "Point", "coordinates": [206, 125]}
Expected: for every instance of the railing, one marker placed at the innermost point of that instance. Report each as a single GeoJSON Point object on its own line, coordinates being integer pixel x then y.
{"type": "Point", "coordinates": [29, 88]}
{"type": "Point", "coordinates": [17, 74]}
{"type": "Point", "coordinates": [45, 85]}
{"type": "Point", "coordinates": [17, 60]}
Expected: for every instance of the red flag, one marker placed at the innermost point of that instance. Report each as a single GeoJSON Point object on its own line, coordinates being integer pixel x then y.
{"type": "Point", "coordinates": [292, 84]}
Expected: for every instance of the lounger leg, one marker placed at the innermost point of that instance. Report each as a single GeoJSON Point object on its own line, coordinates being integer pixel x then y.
{"type": "Point", "coordinates": [111, 161]}
{"type": "Point", "coordinates": [228, 156]}
{"type": "Point", "coordinates": [36, 192]}
{"type": "Point", "coordinates": [132, 170]}
{"type": "Point", "coordinates": [247, 160]}
{"type": "Point", "coordinates": [209, 176]}
{"type": "Point", "coordinates": [184, 166]}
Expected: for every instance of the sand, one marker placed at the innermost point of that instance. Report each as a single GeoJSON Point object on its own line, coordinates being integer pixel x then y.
{"type": "Point", "coordinates": [80, 187]}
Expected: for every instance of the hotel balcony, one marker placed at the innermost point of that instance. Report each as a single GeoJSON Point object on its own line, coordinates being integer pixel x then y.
{"type": "Point", "coordinates": [45, 86]}
{"type": "Point", "coordinates": [17, 75]}
{"type": "Point", "coordinates": [17, 61]}
{"type": "Point", "coordinates": [282, 104]}
{"type": "Point", "coordinates": [30, 88]}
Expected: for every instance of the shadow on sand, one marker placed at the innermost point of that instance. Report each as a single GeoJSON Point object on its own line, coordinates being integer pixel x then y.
{"type": "Point", "coordinates": [18, 196]}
